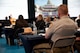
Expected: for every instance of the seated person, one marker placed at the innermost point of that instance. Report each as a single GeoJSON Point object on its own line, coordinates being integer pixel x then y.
{"type": "Point", "coordinates": [77, 42]}
{"type": "Point", "coordinates": [40, 24]}
{"type": "Point", "coordinates": [78, 21]}
{"type": "Point", "coordinates": [47, 21]}
{"type": "Point", "coordinates": [20, 24]}
{"type": "Point", "coordinates": [55, 31]}
{"type": "Point", "coordinates": [12, 20]}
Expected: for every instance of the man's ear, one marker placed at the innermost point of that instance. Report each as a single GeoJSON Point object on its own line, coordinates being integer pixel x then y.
{"type": "Point", "coordinates": [58, 14]}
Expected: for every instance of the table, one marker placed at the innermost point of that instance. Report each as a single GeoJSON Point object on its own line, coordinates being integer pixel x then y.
{"type": "Point", "coordinates": [9, 35]}
{"type": "Point", "coordinates": [30, 40]}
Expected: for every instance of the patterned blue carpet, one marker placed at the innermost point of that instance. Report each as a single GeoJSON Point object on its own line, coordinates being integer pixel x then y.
{"type": "Point", "coordinates": [4, 48]}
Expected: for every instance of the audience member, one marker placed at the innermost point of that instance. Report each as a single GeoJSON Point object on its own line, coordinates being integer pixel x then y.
{"type": "Point", "coordinates": [77, 42]}
{"type": "Point", "coordinates": [78, 22]}
{"type": "Point", "coordinates": [63, 27]}
{"type": "Point", "coordinates": [65, 23]}
{"type": "Point", "coordinates": [77, 18]}
{"type": "Point", "coordinates": [12, 20]}
{"type": "Point", "coordinates": [6, 18]}
{"type": "Point", "coordinates": [20, 24]}
{"type": "Point", "coordinates": [55, 18]}
{"type": "Point", "coordinates": [6, 22]}
{"type": "Point", "coordinates": [40, 24]}
{"type": "Point", "coordinates": [47, 21]}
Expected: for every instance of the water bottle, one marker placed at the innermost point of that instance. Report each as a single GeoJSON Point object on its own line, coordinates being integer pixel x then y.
{"type": "Point", "coordinates": [34, 28]}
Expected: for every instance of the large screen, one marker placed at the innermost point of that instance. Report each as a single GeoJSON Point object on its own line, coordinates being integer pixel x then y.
{"type": "Point", "coordinates": [74, 7]}
{"type": "Point", "coordinates": [14, 8]}
{"type": "Point", "coordinates": [47, 7]}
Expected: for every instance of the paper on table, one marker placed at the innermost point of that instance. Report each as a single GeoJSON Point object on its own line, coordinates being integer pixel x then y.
{"type": "Point", "coordinates": [42, 34]}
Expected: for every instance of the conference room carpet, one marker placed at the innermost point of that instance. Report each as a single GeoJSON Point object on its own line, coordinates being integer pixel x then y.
{"type": "Point", "coordinates": [5, 48]}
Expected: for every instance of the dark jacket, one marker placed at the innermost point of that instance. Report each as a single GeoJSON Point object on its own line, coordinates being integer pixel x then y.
{"type": "Point", "coordinates": [40, 25]}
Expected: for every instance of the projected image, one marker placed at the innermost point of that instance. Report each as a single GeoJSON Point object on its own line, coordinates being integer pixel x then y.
{"type": "Point", "coordinates": [14, 8]}
{"type": "Point", "coordinates": [47, 7]}
{"type": "Point", "coordinates": [74, 7]}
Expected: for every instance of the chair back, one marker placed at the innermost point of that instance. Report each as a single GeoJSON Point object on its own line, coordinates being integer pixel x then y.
{"type": "Point", "coordinates": [64, 41]}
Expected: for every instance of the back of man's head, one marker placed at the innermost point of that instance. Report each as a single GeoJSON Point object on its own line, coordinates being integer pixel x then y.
{"type": "Point", "coordinates": [63, 9]}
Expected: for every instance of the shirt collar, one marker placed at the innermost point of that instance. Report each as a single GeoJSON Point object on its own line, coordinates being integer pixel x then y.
{"type": "Point", "coordinates": [64, 17]}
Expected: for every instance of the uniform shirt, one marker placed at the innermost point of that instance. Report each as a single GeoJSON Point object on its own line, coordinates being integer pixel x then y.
{"type": "Point", "coordinates": [63, 27]}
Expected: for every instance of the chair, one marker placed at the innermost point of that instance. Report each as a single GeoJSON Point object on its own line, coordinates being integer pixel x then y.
{"type": "Point", "coordinates": [63, 42]}
{"type": "Point", "coordinates": [43, 47]}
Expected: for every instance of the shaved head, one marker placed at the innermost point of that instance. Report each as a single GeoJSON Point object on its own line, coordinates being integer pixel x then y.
{"type": "Point", "coordinates": [63, 9]}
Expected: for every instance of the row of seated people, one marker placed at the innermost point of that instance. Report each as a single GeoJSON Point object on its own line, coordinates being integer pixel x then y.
{"type": "Point", "coordinates": [40, 23]}
{"type": "Point", "coordinates": [22, 23]}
